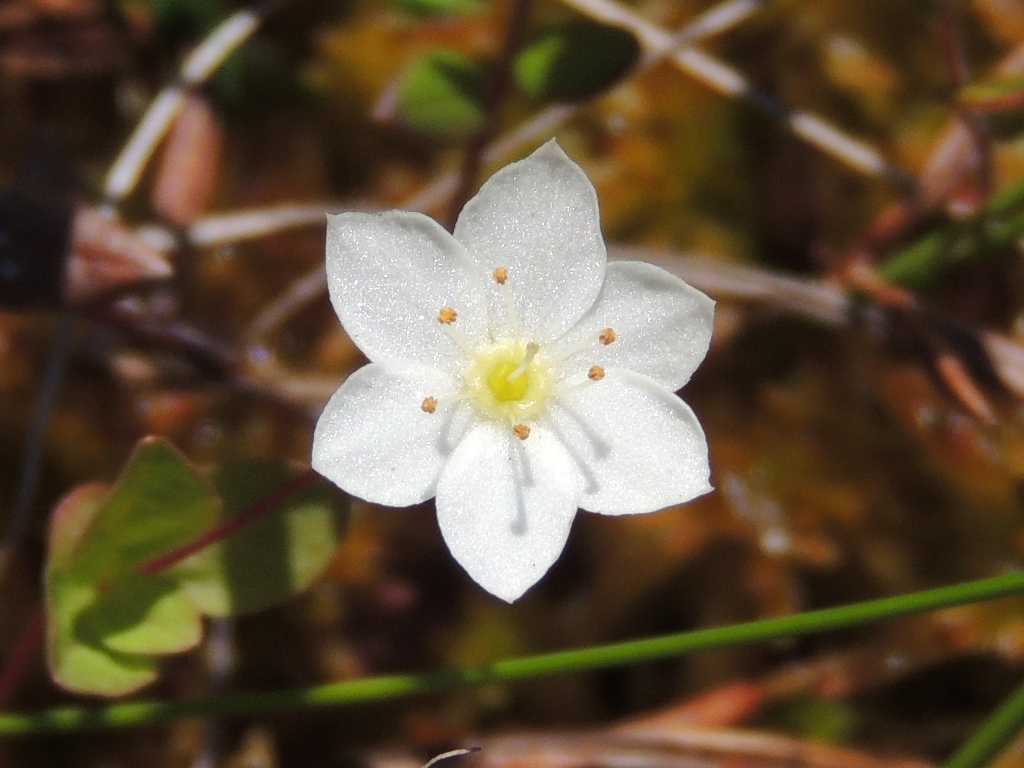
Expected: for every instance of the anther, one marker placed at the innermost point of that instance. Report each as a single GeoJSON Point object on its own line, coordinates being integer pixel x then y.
{"type": "Point", "coordinates": [596, 373]}
{"type": "Point", "coordinates": [531, 352]}
{"type": "Point", "coordinates": [429, 404]}
{"type": "Point", "coordinates": [447, 315]}
{"type": "Point", "coordinates": [500, 275]}
{"type": "Point", "coordinates": [521, 431]}
{"type": "Point", "coordinates": [607, 336]}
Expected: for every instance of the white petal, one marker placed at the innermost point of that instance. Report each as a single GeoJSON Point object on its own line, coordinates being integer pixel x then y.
{"type": "Point", "coordinates": [390, 274]}
{"type": "Point", "coordinates": [662, 325]}
{"type": "Point", "coordinates": [375, 441]}
{"type": "Point", "coordinates": [640, 447]}
{"type": "Point", "coordinates": [538, 218]}
{"type": "Point", "coordinates": [505, 506]}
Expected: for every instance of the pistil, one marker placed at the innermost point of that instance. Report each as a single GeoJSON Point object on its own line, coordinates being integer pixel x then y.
{"type": "Point", "coordinates": [531, 352]}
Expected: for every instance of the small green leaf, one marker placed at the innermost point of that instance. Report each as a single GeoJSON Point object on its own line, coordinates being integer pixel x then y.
{"type": "Point", "coordinates": [994, 96]}
{"type": "Point", "coordinates": [438, 7]}
{"type": "Point", "coordinates": [996, 228]}
{"type": "Point", "coordinates": [1003, 102]}
{"type": "Point", "coordinates": [575, 61]}
{"type": "Point", "coordinates": [275, 557]}
{"type": "Point", "coordinates": [441, 95]}
{"type": "Point", "coordinates": [106, 620]}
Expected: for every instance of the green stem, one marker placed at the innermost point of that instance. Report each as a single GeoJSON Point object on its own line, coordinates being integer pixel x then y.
{"type": "Point", "coordinates": [596, 657]}
{"type": "Point", "coordinates": [993, 736]}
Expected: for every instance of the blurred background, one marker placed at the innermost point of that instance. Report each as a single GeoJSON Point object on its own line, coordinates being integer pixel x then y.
{"type": "Point", "coordinates": [843, 177]}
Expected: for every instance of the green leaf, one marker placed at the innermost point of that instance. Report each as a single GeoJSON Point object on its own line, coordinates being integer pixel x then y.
{"type": "Point", "coordinates": [149, 615]}
{"type": "Point", "coordinates": [575, 61]}
{"type": "Point", "coordinates": [106, 620]}
{"type": "Point", "coordinates": [159, 502]}
{"type": "Point", "coordinates": [1006, 93]}
{"type": "Point", "coordinates": [441, 95]}
{"type": "Point", "coordinates": [272, 559]}
{"type": "Point", "coordinates": [438, 7]}
{"type": "Point", "coordinates": [109, 622]}
{"type": "Point", "coordinates": [925, 261]}
{"type": "Point", "coordinates": [79, 666]}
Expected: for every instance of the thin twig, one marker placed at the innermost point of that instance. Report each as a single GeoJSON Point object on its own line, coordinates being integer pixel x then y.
{"type": "Point", "coordinates": [974, 120]}
{"type": "Point", "coordinates": [197, 67]}
{"type": "Point", "coordinates": [723, 79]}
{"type": "Point", "coordinates": [19, 658]}
{"type": "Point", "coordinates": [28, 478]}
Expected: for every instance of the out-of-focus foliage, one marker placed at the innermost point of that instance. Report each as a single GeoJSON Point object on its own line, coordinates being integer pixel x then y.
{"type": "Point", "coordinates": [442, 95]}
{"type": "Point", "coordinates": [997, 227]}
{"type": "Point", "coordinates": [107, 623]}
{"type": "Point", "coordinates": [575, 61]}
{"type": "Point", "coordinates": [272, 559]}
{"type": "Point", "coordinates": [110, 621]}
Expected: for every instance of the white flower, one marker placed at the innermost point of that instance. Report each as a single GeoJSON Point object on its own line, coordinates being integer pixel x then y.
{"type": "Point", "coordinates": [513, 375]}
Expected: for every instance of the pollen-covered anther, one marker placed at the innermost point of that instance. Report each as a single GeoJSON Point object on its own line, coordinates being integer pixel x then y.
{"type": "Point", "coordinates": [429, 404]}
{"type": "Point", "coordinates": [596, 373]}
{"type": "Point", "coordinates": [500, 275]}
{"type": "Point", "coordinates": [521, 431]}
{"type": "Point", "coordinates": [607, 336]}
{"type": "Point", "coordinates": [447, 315]}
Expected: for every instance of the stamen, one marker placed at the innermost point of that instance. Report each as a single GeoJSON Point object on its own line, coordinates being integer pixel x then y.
{"type": "Point", "coordinates": [429, 404]}
{"type": "Point", "coordinates": [531, 352]}
{"type": "Point", "coordinates": [606, 337]}
{"type": "Point", "coordinates": [447, 315]}
{"type": "Point", "coordinates": [571, 384]}
{"type": "Point", "coordinates": [521, 431]}
{"type": "Point", "coordinates": [459, 339]}
{"type": "Point", "coordinates": [501, 278]}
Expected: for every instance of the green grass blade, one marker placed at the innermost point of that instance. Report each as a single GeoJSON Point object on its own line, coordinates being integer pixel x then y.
{"type": "Point", "coordinates": [595, 657]}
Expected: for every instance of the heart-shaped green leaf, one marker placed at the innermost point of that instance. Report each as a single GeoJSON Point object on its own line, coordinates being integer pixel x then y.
{"type": "Point", "coordinates": [575, 61]}
{"type": "Point", "coordinates": [272, 559]}
{"type": "Point", "coordinates": [106, 620]}
{"type": "Point", "coordinates": [109, 620]}
{"type": "Point", "coordinates": [441, 95]}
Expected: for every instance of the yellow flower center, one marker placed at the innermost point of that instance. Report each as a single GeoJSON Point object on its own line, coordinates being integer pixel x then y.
{"type": "Point", "coordinates": [504, 388]}
{"type": "Point", "coordinates": [509, 380]}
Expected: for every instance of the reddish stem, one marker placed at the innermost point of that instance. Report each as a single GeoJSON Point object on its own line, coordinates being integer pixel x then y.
{"type": "Point", "coordinates": [21, 656]}
{"type": "Point", "coordinates": [219, 532]}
